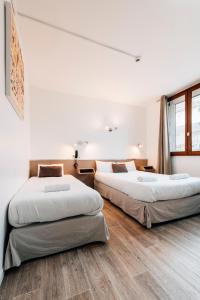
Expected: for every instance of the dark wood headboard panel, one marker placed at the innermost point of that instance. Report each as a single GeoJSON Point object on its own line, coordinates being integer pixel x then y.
{"type": "Point", "coordinates": [69, 164]}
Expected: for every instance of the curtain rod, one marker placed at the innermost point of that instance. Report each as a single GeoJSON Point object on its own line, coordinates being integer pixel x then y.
{"type": "Point", "coordinates": [77, 35]}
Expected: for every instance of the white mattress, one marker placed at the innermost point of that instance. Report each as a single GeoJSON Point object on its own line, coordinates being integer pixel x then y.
{"type": "Point", "coordinates": [31, 204]}
{"type": "Point", "coordinates": [162, 189]}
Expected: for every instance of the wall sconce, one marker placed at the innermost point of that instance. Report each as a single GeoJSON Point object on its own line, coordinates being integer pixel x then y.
{"type": "Point", "coordinates": [110, 129]}
{"type": "Point", "coordinates": [79, 143]}
{"type": "Point", "coordinates": [140, 146]}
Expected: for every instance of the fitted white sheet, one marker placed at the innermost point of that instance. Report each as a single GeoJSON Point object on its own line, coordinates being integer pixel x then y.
{"type": "Point", "coordinates": [32, 204]}
{"type": "Point", "coordinates": [161, 189]}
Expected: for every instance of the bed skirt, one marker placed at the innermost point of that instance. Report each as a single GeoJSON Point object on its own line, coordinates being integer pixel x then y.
{"type": "Point", "coordinates": [148, 213]}
{"type": "Point", "coordinates": [44, 239]}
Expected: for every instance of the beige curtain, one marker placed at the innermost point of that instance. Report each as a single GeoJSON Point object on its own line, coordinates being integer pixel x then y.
{"type": "Point", "coordinates": [164, 158]}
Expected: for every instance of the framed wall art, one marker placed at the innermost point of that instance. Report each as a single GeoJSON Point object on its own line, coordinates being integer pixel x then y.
{"type": "Point", "coordinates": [14, 63]}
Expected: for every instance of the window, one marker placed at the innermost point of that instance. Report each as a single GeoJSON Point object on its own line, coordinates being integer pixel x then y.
{"type": "Point", "coordinates": [196, 120]}
{"type": "Point", "coordinates": [184, 122]}
{"type": "Point", "coordinates": [176, 120]}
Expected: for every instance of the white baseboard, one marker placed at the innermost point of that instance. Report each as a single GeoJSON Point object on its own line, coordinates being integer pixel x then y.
{"type": "Point", "coordinates": [1, 276]}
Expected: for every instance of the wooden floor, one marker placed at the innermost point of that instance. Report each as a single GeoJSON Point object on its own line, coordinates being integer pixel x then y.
{"type": "Point", "coordinates": [161, 263]}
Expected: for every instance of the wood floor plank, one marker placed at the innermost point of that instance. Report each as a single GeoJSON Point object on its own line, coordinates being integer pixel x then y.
{"type": "Point", "coordinates": [113, 216]}
{"type": "Point", "coordinates": [151, 287]}
{"type": "Point", "coordinates": [10, 280]}
{"type": "Point", "coordinates": [143, 235]}
{"type": "Point", "coordinates": [52, 283]}
{"type": "Point", "coordinates": [190, 226]}
{"type": "Point", "coordinates": [83, 296]}
{"type": "Point", "coordinates": [136, 264]}
{"type": "Point", "coordinates": [174, 286]}
{"type": "Point", "coordinates": [34, 295]}
{"type": "Point", "coordinates": [97, 277]}
{"type": "Point", "coordinates": [74, 275]}
{"type": "Point", "coordinates": [125, 254]}
{"type": "Point", "coordinates": [121, 282]}
{"type": "Point", "coordinates": [179, 265]}
{"type": "Point", "coordinates": [181, 260]}
{"type": "Point", "coordinates": [26, 282]}
{"type": "Point", "coordinates": [195, 220]}
{"type": "Point", "coordinates": [187, 246]}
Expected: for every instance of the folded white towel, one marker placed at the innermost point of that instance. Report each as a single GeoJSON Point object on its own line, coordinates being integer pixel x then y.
{"type": "Point", "coordinates": [56, 187]}
{"type": "Point", "coordinates": [146, 179]}
{"type": "Point", "coordinates": [179, 176]}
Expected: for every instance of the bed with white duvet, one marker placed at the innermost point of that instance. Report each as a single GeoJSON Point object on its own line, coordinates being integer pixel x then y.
{"type": "Point", "coordinates": [47, 221]}
{"type": "Point", "coordinates": [156, 188]}
{"type": "Point", "coordinates": [147, 197]}
{"type": "Point", "coordinates": [32, 204]}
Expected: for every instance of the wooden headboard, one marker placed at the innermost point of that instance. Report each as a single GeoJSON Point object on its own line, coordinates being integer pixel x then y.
{"type": "Point", "coordinates": [69, 164]}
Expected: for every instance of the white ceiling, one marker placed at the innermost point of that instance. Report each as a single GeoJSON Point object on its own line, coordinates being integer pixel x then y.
{"type": "Point", "coordinates": [165, 33]}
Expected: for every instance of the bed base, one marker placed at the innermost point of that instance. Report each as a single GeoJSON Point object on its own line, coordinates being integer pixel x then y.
{"type": "Point", "coordinates": [147, 213]}
{"type": "Point", "coordinates": [44, 239]}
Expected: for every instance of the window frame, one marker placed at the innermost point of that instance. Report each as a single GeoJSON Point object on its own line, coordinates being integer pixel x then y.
{"type": "Point", "coordinates": [188, 121]}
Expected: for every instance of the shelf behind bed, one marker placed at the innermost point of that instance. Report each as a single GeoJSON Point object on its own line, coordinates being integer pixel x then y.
{"type": "Point", "coordinates": [69, 164]}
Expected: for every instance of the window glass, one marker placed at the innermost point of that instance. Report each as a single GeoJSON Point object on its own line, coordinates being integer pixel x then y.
{"type": "Point", "coordinates": [196, 120]}
{"type": "Point", "coordinates": [176, 123]}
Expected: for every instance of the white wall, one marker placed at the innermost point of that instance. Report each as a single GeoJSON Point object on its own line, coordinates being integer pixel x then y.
{"type": "Point", "coordinates": [187, 164]}
{"type": "Point", "coordinates": [14, 147]}
{"type": "Point", "coordinates": [58, 121]}
{"type": "Point", "coordinates": [180, 164]}
{"type": "Point", "coordinates": [152, 119]}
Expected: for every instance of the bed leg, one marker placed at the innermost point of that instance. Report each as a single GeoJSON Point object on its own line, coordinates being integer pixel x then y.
{"type": "Point", "coordinates": [148, 225]}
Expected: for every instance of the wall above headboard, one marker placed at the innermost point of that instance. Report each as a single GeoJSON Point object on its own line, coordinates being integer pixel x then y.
{"type": "Point", "coordinates": [69, 164]}
{"type": "Point", "coordinates": [58, 121]}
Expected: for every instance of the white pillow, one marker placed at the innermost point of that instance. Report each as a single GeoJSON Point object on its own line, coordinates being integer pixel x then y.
{"type": "Point", "coordinates": [59, 165]}
{"type": "Point", "coordinates": [104, 166]}
{"type": "Point", "coordinates": [130, 165]}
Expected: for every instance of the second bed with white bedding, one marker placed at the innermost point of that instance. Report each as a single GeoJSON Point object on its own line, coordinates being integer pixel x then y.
{"type": "Point", "coordinates": [32, 204]}
{"type": "Point", "coordinates": [163, 188]}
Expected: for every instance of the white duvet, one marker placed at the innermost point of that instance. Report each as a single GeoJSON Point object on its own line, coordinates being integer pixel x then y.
{"type": "Point", "coordinates": [32, 204]}
{"type": "Point", "coordinates": [161, 189]}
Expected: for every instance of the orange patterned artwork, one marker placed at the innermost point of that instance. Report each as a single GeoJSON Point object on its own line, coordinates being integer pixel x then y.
{"type": "Point", "coordinates": [14, 64]}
